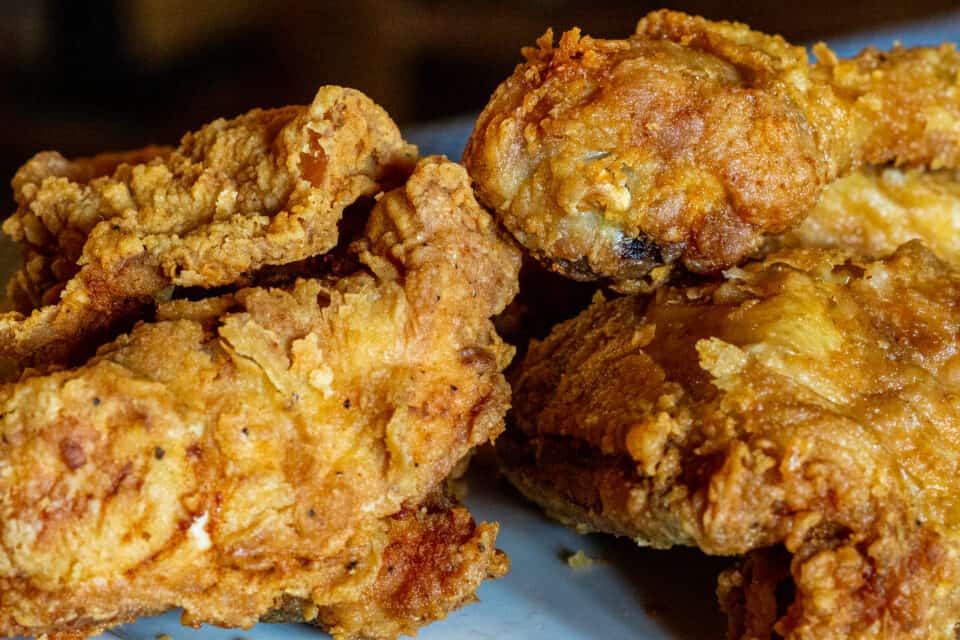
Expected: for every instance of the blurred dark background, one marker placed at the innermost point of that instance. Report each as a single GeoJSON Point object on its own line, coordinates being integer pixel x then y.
{"type": "Point", "coordinates": [83, 77]}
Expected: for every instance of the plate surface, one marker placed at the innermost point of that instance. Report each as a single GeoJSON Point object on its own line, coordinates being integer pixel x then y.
{"type": "Point", "coordinates": [629, 592]}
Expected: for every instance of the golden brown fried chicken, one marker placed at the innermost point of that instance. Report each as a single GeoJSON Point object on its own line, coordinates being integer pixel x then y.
{"type": "Point", "coordinates": [108, 235]}
{"type": "Point", "coordinates": [811, 400]}
{"type": "Point", "coordinates": [692, 140]}
{"type": "Point", "coordinates": [875, 209]}
{"type": "Point", "coordinates": [271, 445]}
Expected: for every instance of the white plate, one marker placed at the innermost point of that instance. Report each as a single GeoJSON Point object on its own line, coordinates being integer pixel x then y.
{"type": "Point", "coordinates": [629, 592]}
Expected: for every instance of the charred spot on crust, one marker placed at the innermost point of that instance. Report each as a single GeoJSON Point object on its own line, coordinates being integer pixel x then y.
{"type": "Point", "coordinates": [638, 255]}
{"type": "Point", "coordinates": [641, 249]}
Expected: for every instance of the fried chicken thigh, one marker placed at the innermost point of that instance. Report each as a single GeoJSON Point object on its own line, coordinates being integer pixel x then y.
{"type": "Point", "coordinates": [271, 449]}
{"type": "Point", "coordinates": [810, 401]}
{"type": "Point", "coordinates": [107, 236]}
{"type": "Point", "coordinates": [692, 140]}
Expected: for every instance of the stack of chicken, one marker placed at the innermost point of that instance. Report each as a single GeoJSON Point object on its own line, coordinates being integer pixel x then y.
{"type": "Point", "coordinates": [786, 394]}
{"type": "Point", "coordinates": [240, 371]}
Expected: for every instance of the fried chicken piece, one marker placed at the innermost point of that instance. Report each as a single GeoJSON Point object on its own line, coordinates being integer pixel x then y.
{"type": "Point", "coordinates": [109, 235]}
{"type": "Point", "coordinates": [811, 400]}
{"type": "Point", "coordinates": [692, 140]}
{"type": "Point", "coordinates": [250, 448]}
{"type": "Point", "coordinates": [875, 209]}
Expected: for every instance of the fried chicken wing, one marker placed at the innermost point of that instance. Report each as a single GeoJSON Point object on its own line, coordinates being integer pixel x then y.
{"type": "Point", "coordinates": [271, 445]}
{"type": "Point", "coordinates": [811, 400]}
{"type": "Point", "coordinates": [108, 235]}
{"type": "Point", "coordinates": [692, 140]}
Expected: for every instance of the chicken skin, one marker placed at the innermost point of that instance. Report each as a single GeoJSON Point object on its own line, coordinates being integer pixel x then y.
{"type": "Point", "coordinates": [809, 402]}
{"type": "Point", "coordinates": [106, 237]}
{"type": "Point", "coordinates": [272, 449]}
{"type": "Point", "coordinates": [692, 140]}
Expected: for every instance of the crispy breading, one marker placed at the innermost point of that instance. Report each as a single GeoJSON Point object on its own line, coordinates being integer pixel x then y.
{"type": "Point", "coordinates": [875, 209]}
{"type": "Point", "coordinates": [434, 561]}
{"type": "Point", "coordinates": [692, 140]}
{"type": "Point", "coordinates": [811, 400]}
{"type": "Point", "coordinates": [252, 447]}
{"type": "Point", "coordinates": [110, 234]}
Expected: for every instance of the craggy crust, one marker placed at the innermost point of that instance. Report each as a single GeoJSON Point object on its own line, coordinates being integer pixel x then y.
{"type": "Point", "coordinates": [107, 235]}
{"type": "Point", "coordinates": [809, 400]}
{"type": "Point", "coordinates": [872, 211]}
{"type": "Point", "coordinates": [251, 447]}
{"type": "Point", "coordinates": [692, 140]}
{"type": "Point", "coordinates": [51, 249]}
{"type": "Point", "coordinates": [434, 561]}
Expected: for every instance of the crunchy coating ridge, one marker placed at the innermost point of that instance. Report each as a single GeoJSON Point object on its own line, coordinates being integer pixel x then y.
{"type": "Point", "coordinates": [434, 561]}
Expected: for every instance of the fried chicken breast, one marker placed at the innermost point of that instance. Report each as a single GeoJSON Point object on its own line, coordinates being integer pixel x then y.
{"type": "Point", "coordinates": [108, 235]}
{"type": "Point", "coordinates": [692, 140]}
{"type": "Point", "coordinates": [810, 401]}
{"type": "Point", "coordinates": [271, 448]}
